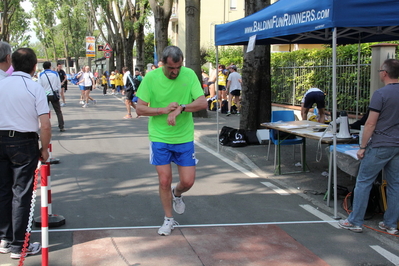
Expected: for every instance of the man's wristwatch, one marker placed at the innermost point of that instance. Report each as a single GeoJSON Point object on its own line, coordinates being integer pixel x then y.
{"type": "Point", "coordinates": [183, 107]}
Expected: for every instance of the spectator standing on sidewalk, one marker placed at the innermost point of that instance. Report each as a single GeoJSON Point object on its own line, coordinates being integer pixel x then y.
{"type": "Point", "coordinates": [169, 95]}
{"type": "Point", "coordinates": [112, 81]}
{"type": "Point", "coordinates": [129, 92]}
{"type": "Point", "coordinates": [379, 150]}
{"type": "Point", "coordinates": [23, 104]}
{"type": "Point", "coordinates": [104, 83]}
{"type": "Point", "coordinates": [118, 81]}
{"type": "Point", "coordinates": [64, 83]}
{"type": "Point", "coordinates": [234, 82]}
{"type": "Point", "coordinates": [50, 81]}
{"type": "Point", "coordinates": [5, 59]}
{"type": "Point", "coordinates": [222, 78]}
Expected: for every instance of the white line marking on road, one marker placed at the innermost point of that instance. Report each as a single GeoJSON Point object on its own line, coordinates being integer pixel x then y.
{"type": "Point", "coordinates": [386, 254]}
{"type": "Point", "coordinates": [236, 166]}
{"type": "Point", "coordinates": [182, 226]}
{"type": "Point", "coordinates": [276, 188]}
{"type": "Point", "coordinates": [319, 214]}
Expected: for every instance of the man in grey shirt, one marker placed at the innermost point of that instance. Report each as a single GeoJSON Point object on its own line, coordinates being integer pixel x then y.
{"type": "Point", "coordinates": [379, 150]}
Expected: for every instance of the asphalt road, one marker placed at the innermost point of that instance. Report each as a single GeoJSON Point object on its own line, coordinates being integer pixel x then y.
{"type": "Point", "coordinates": [104, 181]}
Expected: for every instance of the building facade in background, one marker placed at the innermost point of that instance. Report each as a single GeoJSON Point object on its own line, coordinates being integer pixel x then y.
{"type": "Point", "coordinates": [215, 12]}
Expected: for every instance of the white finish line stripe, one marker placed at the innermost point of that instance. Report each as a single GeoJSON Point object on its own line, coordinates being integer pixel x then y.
{"type": "Point", "coordinates": [183, 226]}
{"type": "Point", "coordinates": [276, 188]}
{"type": "Point", "coordinates": [236, 166]}
{"type": "Point", "coordinates": [386, 254]}
{"type": "Point", "coordinates": [319, 214]}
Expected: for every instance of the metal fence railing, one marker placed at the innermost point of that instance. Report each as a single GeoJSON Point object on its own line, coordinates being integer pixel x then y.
{"type": "Point", "coordinates": [290, 82]}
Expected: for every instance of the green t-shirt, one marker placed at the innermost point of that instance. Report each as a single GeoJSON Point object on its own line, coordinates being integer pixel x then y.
{"type": "Point", "coordinates": [159, 91]}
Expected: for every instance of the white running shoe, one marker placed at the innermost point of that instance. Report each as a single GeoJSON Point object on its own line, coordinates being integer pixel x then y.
{"type": "Point", "coordinates": [5, 246]}
{"type": "Point", "coordinates": [382, 226]}
{"type": "Point", "coordinates": [81, 102]}
{"type": "Point", "coordinates": [178, 203]}
{"type": "Point", "coordinates": [167, 227]}
{"type": "Point", "coordinates": [85, 105]}
{"type": "Point", "coordinates": [33, 249]}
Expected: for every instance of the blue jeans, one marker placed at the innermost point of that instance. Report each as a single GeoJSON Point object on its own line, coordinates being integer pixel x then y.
{"type": "Point", "coordinates": [18, 161]}
{"type": "Point", "coordinates": [376, 159]}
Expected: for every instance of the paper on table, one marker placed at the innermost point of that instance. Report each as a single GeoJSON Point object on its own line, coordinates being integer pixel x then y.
{"type": "Point", "coordinates": [319, 134]}
{"type": "Point", "coordinates": [352, 153]}
{"type": "Point", "coordinates": [293, 126]}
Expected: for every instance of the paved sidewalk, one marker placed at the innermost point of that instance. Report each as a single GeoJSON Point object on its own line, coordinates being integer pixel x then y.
{"type": "Point", "coordinates": [196, 246]}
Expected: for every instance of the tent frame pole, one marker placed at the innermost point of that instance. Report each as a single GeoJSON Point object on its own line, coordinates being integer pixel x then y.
{"type": "Point", "coordinates": [217, 91]}
{"type": "Point", "coordinates": [334, 87]}
{"type": "Point", "coordinates": [358, 80]}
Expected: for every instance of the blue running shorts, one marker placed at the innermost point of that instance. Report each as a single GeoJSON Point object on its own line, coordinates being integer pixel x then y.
{"type": "Point", "coordinates": [181, 154]}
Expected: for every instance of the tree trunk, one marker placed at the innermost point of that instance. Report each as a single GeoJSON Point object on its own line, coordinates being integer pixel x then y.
{"type": "Point", "coordinates": [129, 52]}
{"type": "Point", "coordinates": [162, 11]}
{"type": "Point", "coordinates": [140, 62]}
{"type": "Point", "coordinates": [192, 52]}
{"type": "Point", "coordinates": [256, 91]}
{"type": "Point", "coordinates": [118, 52]}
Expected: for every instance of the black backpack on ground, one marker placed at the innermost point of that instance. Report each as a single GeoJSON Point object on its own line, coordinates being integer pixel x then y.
{"type": "Point", "coordinates": [225, 107]}
{"type": "Point", "coordinates": [232, 137]}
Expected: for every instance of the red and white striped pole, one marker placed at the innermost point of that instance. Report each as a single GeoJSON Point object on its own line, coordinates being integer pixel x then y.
{"type": "Point", "coordinates": [44, 173]}
{"type": "Point", "coordinates": [53, 220]}
{"type": "Point", "coordinates": [48, 189]}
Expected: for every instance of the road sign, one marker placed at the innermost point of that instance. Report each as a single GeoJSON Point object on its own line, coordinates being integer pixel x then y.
{"type": "Point", "coordinates": [107, 48]}
{"type": "Point", "coordinates": [100, 47]}
{"type": "Point", "coordinates": [107, 54]}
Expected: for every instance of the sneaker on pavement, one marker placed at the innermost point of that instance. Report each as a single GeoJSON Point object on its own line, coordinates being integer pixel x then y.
{"type": "Point", "coordinates": [167, 227]}
{"type": "Point", "coordinates": [228, 113]}
{"type": "Point", "coordinates": [5, 246]}
{"type": "Point", "coordinates": [178, 203]}
{"type": "Point", "coordinates": [81, 102]}
{"type": "Point", "coordinates": [62, 104]}
{"type": "Point", "coordinates": [33, 249]}
{"type": "Point", "coordinates": [127, 117]}
{"type": "Point", "coordinates": [85, 105]}
{"type": "Point", "coordinates": [347, 225]}
{"type": "Point", "coordinates": [390, 230]}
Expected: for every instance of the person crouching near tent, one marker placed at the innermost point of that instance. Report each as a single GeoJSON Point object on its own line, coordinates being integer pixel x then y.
{"type": "Point", "coordinates": [313, 96]}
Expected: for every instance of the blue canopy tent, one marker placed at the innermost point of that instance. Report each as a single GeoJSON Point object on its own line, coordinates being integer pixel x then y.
{"type": "Point", "coordinates": [316, 22]}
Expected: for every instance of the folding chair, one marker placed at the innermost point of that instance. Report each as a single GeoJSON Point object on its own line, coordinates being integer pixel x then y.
{"type": "Point", "coordinates": [284, 116]}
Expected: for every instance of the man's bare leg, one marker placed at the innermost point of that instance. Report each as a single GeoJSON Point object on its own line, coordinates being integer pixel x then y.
{"type": "Point", "coordinates": [165, 190]}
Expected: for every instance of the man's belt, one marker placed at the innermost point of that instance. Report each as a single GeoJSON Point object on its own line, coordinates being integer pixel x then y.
{"type": "Point", "coordinates": [16, 134]}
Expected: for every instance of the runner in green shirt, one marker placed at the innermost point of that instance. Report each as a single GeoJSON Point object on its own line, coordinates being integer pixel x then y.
{"type": "Point", "coordinates": [169, 95]}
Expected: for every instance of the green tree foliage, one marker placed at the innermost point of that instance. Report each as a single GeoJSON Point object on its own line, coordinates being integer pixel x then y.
{"type": "Point", "coordinates": [226, 55]}
{"type": "Point", "coordinates": [14, 22]}
{"type": "Point", "coordinates": [149, 48]}
{"type": "Point", "coordinates": [20, 26]}
{"type": "Point", "coordinates": [73, 28]}
{"type": "Point", "coordinates": [44, 13]}
{"type": "Point", "coordinates": [295, 72]}
{"type": "Point", "coordinates": [121, 23]}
